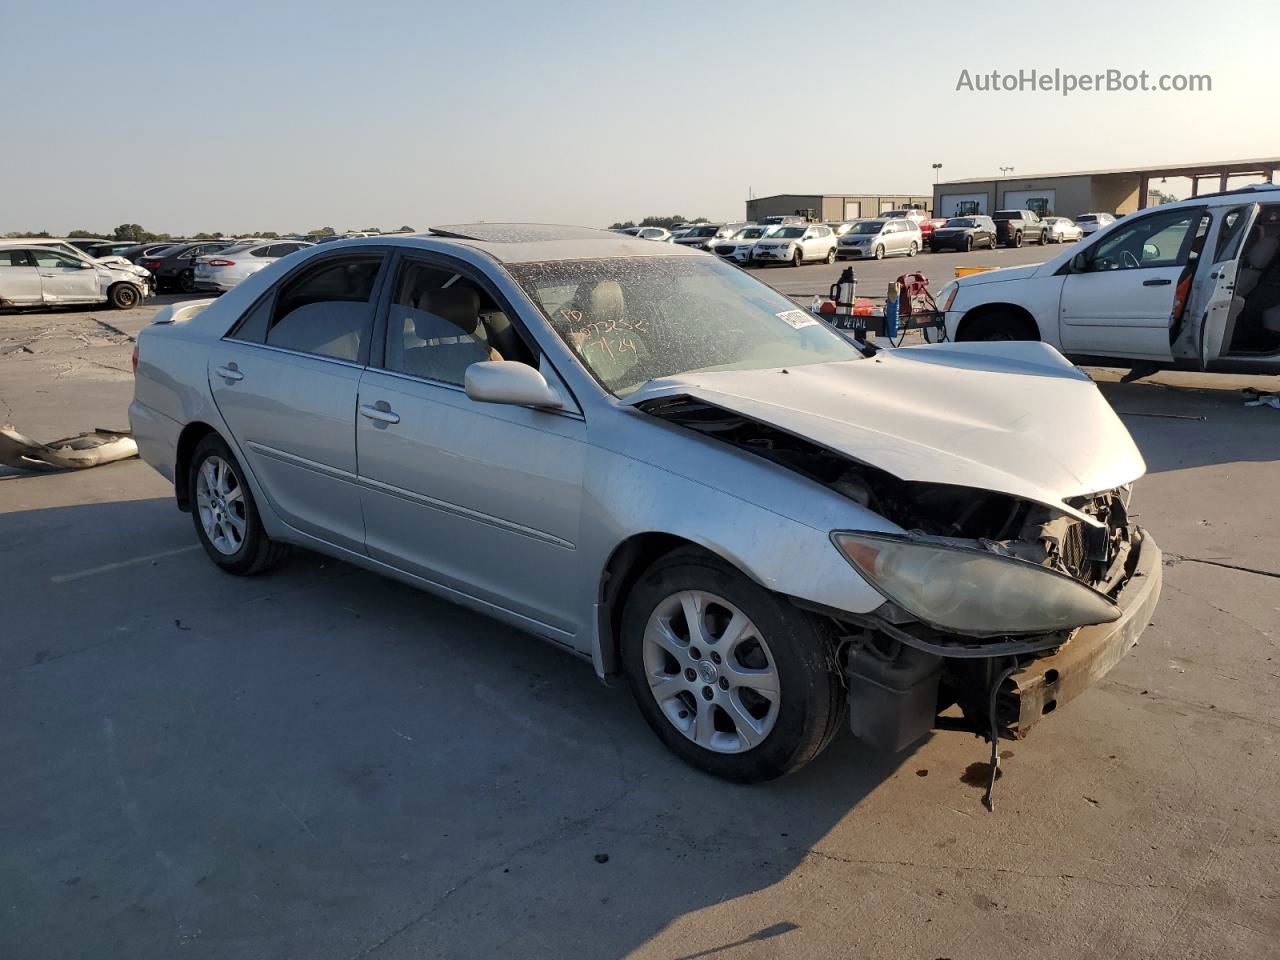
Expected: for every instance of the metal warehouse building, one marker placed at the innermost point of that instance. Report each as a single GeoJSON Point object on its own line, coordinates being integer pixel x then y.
{"type": "Point", "coordinates": [1071, 194]}
{"type": "Point", "coordinates": [832, 207]}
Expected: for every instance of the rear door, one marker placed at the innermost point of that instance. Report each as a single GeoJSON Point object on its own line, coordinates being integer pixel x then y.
{"type": "Point", "coordinates": [1118, 297]}
{"type": "Point", "coordinates": [480, 498]}
{"type": "Point", "coordinates": [286, 381]}
{"type": "Point", "coordinates": [64, 279]}
{"type": "Point", "coordinates": [19, 277]}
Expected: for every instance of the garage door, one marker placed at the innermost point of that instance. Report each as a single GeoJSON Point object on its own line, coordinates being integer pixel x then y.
{"type": "Point", "coordinates": [1041, 201]}
{"type": "Point", "coordinates": [852, 209]}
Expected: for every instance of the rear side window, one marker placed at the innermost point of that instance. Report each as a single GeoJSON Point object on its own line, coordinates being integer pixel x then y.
{"type": "Point", "coordinates": [327, 310]}
{"type": "Point", "coordinates": [16, 258]}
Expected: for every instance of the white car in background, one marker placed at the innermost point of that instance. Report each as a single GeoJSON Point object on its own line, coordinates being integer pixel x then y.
{"type": "Point", "coordinates": [226, 268]}
{"type": "Point", "coordinates": [1093, 222]}
{"type": "Point", "coordinates": [656, 234]}
{"type": "Point", "coordinates": [704, 236]}
{"type": "Point", "coordinates": [34, 276]}
{"type": "Point", "coordinates": [738, 247]}
{"type": "Point", "coordinates": [1062, 229]}
{"type": "Point", "coordinates": [796, 244]}
{"type": "Point", "coordinates": [1188, 285]}
{"type": "Point", "coordinates": [880, 238]}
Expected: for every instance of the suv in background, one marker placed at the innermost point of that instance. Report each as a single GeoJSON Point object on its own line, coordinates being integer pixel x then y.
{"type": "Point", "coordinates": [795, 244]}
{"type": "Point", "coordinates": [1013, 227]}
{"type": "Point", "coordinates": [1091, 222]}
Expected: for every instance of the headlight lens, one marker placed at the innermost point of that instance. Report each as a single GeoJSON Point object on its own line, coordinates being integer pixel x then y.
{"type": "Point", "coordinates": [970, 591]}
{"type": "Point", "coordinates": [947, 295]}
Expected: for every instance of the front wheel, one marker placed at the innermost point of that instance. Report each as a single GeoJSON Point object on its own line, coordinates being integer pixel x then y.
{"type": "Point", "coordinates": [731, 677]}
{"type": "Point", "coordinates": [225, 516]}
{"type": "Point", "coordinates": [124, 296]}
{"type": "Point", "coordinates": [797, 258]}
{"type": "Point", "coordinates": [968, 245]}
{"type": "Point", "coordinates": [879, 252]}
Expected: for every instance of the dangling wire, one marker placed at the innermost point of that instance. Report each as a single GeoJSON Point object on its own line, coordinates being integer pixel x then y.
{"type": "Point", "coordinates": [995, 735]}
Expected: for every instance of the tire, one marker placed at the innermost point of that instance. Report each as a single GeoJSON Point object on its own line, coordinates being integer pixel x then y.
{"type": "Point", "coordinates": [968, 244]}
{"type": "Point", "coordinates": [797, 258]}
{"type": "Point", "coordinates": [1016, 242]}
{"type": "Point", "coordinates": [187, 281]}
{"type": "Point", "coordinates": [878, 253]}
{"type": "Point", "coordinates": [793, 651]}
{"type": "Point", "coordinates": [124, 296]}
{"type": "Point", "coordinates": [998, 326]}
{"type": "Point", "coordinates": [912, 250]}
{"type": "Point", "coordinates": [238, 544]}
{"type": "Point", "coordinates": [831, 255]}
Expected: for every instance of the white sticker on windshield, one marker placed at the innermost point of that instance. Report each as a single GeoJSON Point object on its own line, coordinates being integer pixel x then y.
{"type": "Point", "coordinates": [797, 318]}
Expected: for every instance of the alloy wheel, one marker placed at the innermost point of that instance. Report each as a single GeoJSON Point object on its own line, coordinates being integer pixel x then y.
{"type": "Point", "coordinates": [711, 672]}
{"type": "Point", "coordinates": [220, 502]}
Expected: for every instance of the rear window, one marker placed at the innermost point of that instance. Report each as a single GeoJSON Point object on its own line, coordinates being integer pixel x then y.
{"type": "Point", "coordinates": [1006, 215]}
{"type": "Point", "coordinates": [1086, 218]}
{"type": "Point", "coordinates": [960, 222]}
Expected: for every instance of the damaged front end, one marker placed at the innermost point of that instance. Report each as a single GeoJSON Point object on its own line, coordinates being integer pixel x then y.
{"type": "Point", "coordinates": [991, 598]}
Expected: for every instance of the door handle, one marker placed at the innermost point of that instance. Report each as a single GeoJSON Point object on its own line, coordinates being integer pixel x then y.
{"type": "Point", "coordinates": [1157, 282]}
{"type": "Point", "coordinates": [382, 413]}
{"type": "Point", "coordinates": [229, 372]}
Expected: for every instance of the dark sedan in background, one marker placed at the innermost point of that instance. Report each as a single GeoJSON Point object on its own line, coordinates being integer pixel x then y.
{"type": "Point", "coordinates": [174, 265]}
{"type": "Point", "coordinates": [964, 233]}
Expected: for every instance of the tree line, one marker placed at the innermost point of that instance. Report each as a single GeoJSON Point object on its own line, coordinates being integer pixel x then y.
{"type": "Point", "coordinates": [667, 222]}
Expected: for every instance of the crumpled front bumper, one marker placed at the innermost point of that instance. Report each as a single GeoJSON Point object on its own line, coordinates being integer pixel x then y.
{"type": "Point", "coordinates": [1048, 682]}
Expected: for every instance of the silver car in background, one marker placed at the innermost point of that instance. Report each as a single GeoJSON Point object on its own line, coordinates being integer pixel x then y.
{"type": "Point", "coordinates": [656, 462]}
{"type": "Point", "coordinates": [1063, 230]}
{"type": "Point", "coordinates": [224, 269]}
{"type": "Point", "coordinates": [880, 238]}
{"type": "Point", "coordinates": [34, 276]}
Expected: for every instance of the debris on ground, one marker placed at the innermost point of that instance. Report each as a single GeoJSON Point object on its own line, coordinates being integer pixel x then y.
{"type": "Point", "coordinates": [1260, 398]}
{"type": "Point", "coordinates": [71, 453]}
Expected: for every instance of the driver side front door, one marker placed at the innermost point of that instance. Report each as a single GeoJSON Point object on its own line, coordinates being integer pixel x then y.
{"type": "Point", "coordinates": [1119, 297]}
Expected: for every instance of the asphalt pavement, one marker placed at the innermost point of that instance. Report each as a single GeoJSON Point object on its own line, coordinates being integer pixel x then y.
{"type": "Point", "coordinates": [324, 764]}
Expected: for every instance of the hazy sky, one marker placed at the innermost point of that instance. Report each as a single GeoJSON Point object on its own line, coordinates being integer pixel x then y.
{"type": "Point", "coordinates": [251, 115]}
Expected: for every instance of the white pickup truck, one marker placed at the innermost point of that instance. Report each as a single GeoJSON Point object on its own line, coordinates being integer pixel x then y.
{"type": "Point", "coordinates": [1187, 285]}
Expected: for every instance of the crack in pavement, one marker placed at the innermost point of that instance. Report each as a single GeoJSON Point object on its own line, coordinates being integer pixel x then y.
{"type": "Point", "coordinates": [1218, 563]}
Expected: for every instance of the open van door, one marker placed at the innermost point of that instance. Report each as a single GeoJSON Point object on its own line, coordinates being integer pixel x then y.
{"type": "Point", "coordinates": [1204, 333]}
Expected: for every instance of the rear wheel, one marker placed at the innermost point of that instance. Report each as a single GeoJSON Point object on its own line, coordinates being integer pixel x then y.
{"type": "Point", "coordinates": [187, 281]}
{"type": "Point", "coordinates": [124, 296]}
{"type": "Point", "coordinates": [225, 516]}
{"type": "Point", "coordinates": [913, 249]}
{"type": "Point", "coordinates": [1016, 241]}
{"type": "Point", "coordinates": [831, 255]}
{"type": "Point", "coordinates": [731, 677]}
{"type": "Point", "coordinates": [999, 325]}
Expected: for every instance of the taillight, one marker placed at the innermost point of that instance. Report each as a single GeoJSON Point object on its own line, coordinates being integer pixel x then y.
{"type": "Point", "coordinates": [149, 264]}
{"type": "Point", "coordinates": [221, 263]}
{"type": "Point", "coordinates": [135, 359]}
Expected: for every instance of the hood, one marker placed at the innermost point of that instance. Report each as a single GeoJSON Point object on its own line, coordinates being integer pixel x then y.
{"type": "Point", "coordinates": [1003, 273]}
{"type": "Point", "coordinates": [1016, 418]}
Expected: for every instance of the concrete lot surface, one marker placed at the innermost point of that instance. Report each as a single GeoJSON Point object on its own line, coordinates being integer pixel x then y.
{"type": "Point", "coordinates": [324, 764]}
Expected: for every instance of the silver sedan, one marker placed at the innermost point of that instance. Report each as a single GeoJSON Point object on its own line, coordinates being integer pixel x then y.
{"type": "Point", "coordinates": [656, 462]}
{"type": "Point", "coordinates": [1063, 230]}
{"type": "Point", "coordinates": [228, 267]}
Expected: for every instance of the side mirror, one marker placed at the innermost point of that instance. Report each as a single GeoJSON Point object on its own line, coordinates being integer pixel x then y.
{"type": "Point", "coordinates": [511, 382]}
{"type": "Point", "coordinates": [1150, 251]}
{"type": "Point", "coordinates": [84, 266]}
{"type": "Point", "coordinates": [1079, 263]}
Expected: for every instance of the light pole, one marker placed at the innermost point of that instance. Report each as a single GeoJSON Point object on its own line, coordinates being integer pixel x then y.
{"type": "Point", "coordinates": [1005, 171]}
{"type": "Point", "coordinates": [936, 168]}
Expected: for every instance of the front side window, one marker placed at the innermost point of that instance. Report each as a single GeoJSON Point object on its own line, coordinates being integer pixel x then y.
{"type": "Point", "coordinates": [1160, 240]}
{"type": "Point", "coordinates": [51, 258]}
{"type": "Point", "coordinates": [327, 310]}
{"type": "Point", "coordinates": [438, 324]}
{"type": "Point", "coordinates": [630, 320]}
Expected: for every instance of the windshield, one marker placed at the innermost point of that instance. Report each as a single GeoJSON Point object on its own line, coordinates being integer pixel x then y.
{"type": "Point", "coordinates": [788, 233]}
{"type": "Point", "coordinates": [868, 227]}
{"type": "Point", "coordinates": [960, 222]}
{"type": "Point", "coordinates": [702, 232]}
{"type": "Point", "coordinates": [751, 233]}
{"type": "Point", "coordinates": [634, 320]}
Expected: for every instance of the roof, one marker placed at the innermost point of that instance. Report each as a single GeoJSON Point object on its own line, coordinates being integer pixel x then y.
{"type": "Point", "coordinates": [878, 196]}
{"type": "Point", "coordinates": [1167, 169]}
{"type": "Point", "coordinates": [533, 242]}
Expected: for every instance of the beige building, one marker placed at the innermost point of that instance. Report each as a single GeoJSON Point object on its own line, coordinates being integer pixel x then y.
{"type": "Point", "coordinates": [1090, 191]}
{"type": "Point", "coordinates": [832, 207]}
